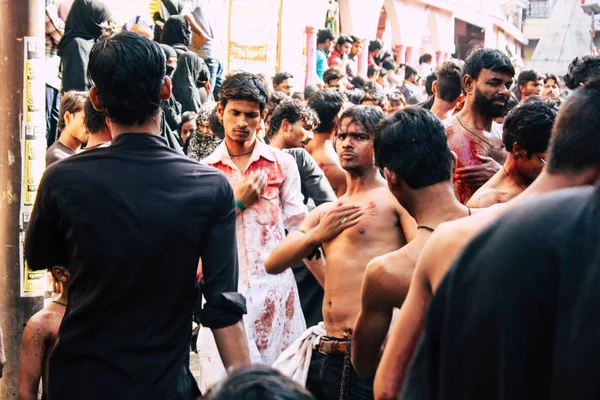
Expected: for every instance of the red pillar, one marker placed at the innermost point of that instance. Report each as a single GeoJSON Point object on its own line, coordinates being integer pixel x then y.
{"type": "Point", "coordinates": [363, 60]}
{"type": "Point", "coordinates": [400, 54]}
{"type": "Point", "coordinates": [311, 56]}
{"type": "Point", "coordinates": [410, 56]}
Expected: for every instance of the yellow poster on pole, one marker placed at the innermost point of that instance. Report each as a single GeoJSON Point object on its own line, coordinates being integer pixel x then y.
{"type": "Point", "coordinates": [33, 151]}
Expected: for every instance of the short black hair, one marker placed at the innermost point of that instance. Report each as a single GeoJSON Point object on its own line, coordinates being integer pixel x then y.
{"type": "Point", "coordinates": [529, 75]}
{"type": "Point", "coordinates": [365, 116]}
{"type": "Point", "coordinates": [375, 45]}
{"type": "Point", "coordinates": [530, 125]}
{"type": "Point", "coordinates": [215, 124]}
{"type": "Point", "coordinates": [484, 58]}
{"type": "Point", "coordinates": [425, 58]}
{"type": "Point", "coordinates": [309, 91]}
{"type": "Point", "coordinates": [552, 76]}
{"type": "Point", "coordinates": [375, 95]}
{"type": "Point", "coordinates": [389, 64]}
{"type": "Point", "coordinates": [324, 35]}
{"type": "Point", "coordinates": [73, 101]}
{"type": "Point", "coordinates": [94, 120]}
{"type": "Point", "coordinates": [280, 77]}
{"type": "Point", "coordinates": [412, 143]}
{"type": "Point", "coordinates": [575, 140]}
{"type": "Point", "coordinates": [128, 72]}
{"type": "Point", "coordinates": [244, 86]}
{"type": "Point", "coordinates": [356, 39]}
{"type": "Point", "coordinates": [449, 81]}
{"type": "Point", "coordinates": [343, 39]}
{"type": "Point", "coordinates": [293, 111]}
{"type": "Point", "coordinates": [277, 97]}
{"type": "Point", "coordinates": [354, 95]}
{"type": "Point", "coordinates": [332, 74]}
{"type": "Point", "coordinates": [188, 116]}
{"type": "Point", "coordinates": [372, 70]}
{"type": "Point", "coordinates": [581, 70]}
{"type": "Point", "coordinates": [358, 81]}
{"type": "Point", "coordinates": [429, 84]}
{"type": "Point", "coordinates": [253, 382]}
{"type": "Point", "coordinates": [327, 103]}
{"type": "Point", "coordinates": [409, 71]}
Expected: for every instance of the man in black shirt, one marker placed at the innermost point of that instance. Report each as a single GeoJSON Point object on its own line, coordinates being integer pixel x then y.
{"type": "Point", "coordinates": [515, 316]}
{"type": "Point", "coordinates": [131, 221]}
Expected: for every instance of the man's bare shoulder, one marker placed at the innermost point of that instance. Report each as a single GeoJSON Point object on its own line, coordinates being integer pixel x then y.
{"type": "Point", "coordinates": [44, 323]}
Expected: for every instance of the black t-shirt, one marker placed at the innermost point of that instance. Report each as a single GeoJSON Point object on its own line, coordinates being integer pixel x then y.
{"type": "Point", "coordinates": [131, 221]}
{"type": "Point", "coordinates": [517, 315]}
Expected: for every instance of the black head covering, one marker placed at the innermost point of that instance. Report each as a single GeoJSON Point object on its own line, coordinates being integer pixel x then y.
{"type": "Point", "coordinates": [176, 31]}
{"type": "Point", "coordinates": [169, 51]}
{"type": "Point", "coordinates": [189, 68]}
{"type": "Point", "coordinates": [84, 21]}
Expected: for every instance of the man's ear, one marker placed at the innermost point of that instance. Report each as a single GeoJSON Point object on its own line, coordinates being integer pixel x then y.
{"type": "Point", "coordinates": [220, 111]}
{"type": "Point", "coordinates": [285, 125]}
{"type": "Point", "coordinates": [61, 274]}
{"type": "Point", "coordinates": [391, 177]}
{"type": "Point", "coordinates": [68, 116]}
{"type": "Point", "coordinates": [454, 164]}
{"type": "Point", "coordinates": [95, 99]}
{"type": "Point", "coordinates": [264, 115]}
{"type": "Point", "coordinates": [434, 87]}
{"type": "Point", "coordinates": [167, 89]}
{"type": "Point", "coordinates": [518, 151]}
{"type": "Point", "coordinates": [468, 83]}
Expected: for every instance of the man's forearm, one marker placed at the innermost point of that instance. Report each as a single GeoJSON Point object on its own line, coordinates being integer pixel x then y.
{"type": "Point", "coordinates": [295, 247]}
{"type": "Point", "coordinates": [233, 345]}
{"type": "Point", "coordinates": [196, 28]}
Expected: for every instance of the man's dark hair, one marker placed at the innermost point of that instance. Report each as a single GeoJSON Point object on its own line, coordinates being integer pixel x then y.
{"type": "Point", "coordinates": [529, 125]}
{"type": "Point", "coordinates": [581, 70]}
{"type": "Point", "coordinates": [396, 98]}
{"type": "Point", "coordinates": [293, 111]}
{"type": "Point", "coordinates": [389, 64]}
{"type": "Point", "coordinates": [529, 75]}
{"type": "Point", "coordinates": [412, 143]}
{"type": "Point", "coordinates": [327, 103]}
{"type": "Point", "coordinates": [332, 74]}
{"type": "Point", "coordinates": [375, 95]}
{"type": "Point", "coordinates": [409, 71]}
{"type": "Point", "coordinates": [429, 84]}
{"type": "Point", "coordinates": [552, 76]}
{"type": "Point", "coordinates": [252, 382]}
{"type": "Point", "coordinates": [280, 77]}
{"type": "Point", "coordinates": [309, 91]}
{"type": "Point", "coordinates": [372, 70]}
{"type": "Point", "coordinates": [358, 81]}
{"type": "Point", "coordinates": [128, 71]}
{"type": "Point", "coordinates": [94, 120]}
{"type": "Point", "coordinates": [511, 103]}
{"type": "Point", "coordinates": [343, 39]}
{"type": "Point", "coordinates": [356, 39]}
{"type": "Point", "coordinates": [73, 102]}
{"type": "Point", "coordinates": [354, 95]}
{"type": "Point", "coordinates": [215, 124]}
{"type": "Point", "coordinates": [449, 82]}
{"type": "Point", "coordinates": [484, 58]}
{"type": "Point", "coordinates": [575, 140]}
{"type": "Point", "coordinates": [324, 35]}
{"type": "Point", "coordinates": [244, 86]}
{"type": "Point", "coordinates": [364, 116]}
{"type": "Point", "coordinates": [372, 85]}
{"type": "Point", "coordinates": [277, 97]}
{"type": "Point", "coordinates": [425, 58]}
{"type": "Point", "coordinates": [375, 45]}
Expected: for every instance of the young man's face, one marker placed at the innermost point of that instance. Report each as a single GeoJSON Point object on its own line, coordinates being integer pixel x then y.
{"type": "Point", "coordinates": [297, 135]}
{"type": "Point", "coordinates": [532, 88]}
{"type": "Point", "coordinates": [334, 84]}
{"type": "Point", "coordinates": [354, 146]}
{"type": "Point", "coordinates": [490, 92]}
{"type": "Point", "coordinates": [356, 48]}
{"type": "Point", "coordinates": [286, 86]}
{"type": "Point", "coordinates": [241, 119]}
{"type": "Point", "coordinates": [531, 166]}
{"type": "Point", "coordinates": [345, 48]}
{"type": "Point", "coordinates": [76, 126]}
{"type": "Point", "coordinates": [551, 89]}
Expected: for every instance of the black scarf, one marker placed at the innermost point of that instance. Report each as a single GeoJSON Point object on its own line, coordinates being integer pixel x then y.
{"type": "Point", "coordinates": [185, 89]}
{"type": "Point", "coordinates": [84, 21]}
{"type": "Point", "coordinates": [176, 31]}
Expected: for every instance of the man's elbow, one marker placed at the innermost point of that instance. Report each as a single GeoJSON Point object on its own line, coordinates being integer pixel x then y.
{"type": "Point", "coordinates": [272, 267]}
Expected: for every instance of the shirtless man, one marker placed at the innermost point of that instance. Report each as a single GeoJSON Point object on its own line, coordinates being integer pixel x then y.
{"type": "Point", "coordinates": [412, 148]}
{"type": "Point", "coordinates": [328, 105]}
{"type": "Point", "coordinates": [447, 89]}
{"type": "Point", "coordinates": [487, 77]}
{"type": "Point", "coordinates": [573, 161]}
{"type": "Point", "coordinates": [365, 223]}
{"type": "Point", "coordinates": [39, 337]}
{"type": "Point", "coordinates": [526, 132]}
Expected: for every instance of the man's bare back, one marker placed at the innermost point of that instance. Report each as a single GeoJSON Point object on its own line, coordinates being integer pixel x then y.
{"type": "Point", "coordinates": [39, 338]}
{"type": "Point", "coordinates": [379, 232]}
{"type": "Point", "coordinates": [477, 150]}
{"type": "Point", "coordinates": [324, 154]}
{"type": "Point", "coordinates": [500, 189]}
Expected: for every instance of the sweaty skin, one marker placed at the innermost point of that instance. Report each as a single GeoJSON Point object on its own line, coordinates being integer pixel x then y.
{"type": "Point", "coordinates": [499, 189]}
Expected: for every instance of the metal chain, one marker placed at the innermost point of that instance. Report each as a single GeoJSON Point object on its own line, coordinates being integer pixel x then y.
{"type": "Point", "coordinates": [346, 370]}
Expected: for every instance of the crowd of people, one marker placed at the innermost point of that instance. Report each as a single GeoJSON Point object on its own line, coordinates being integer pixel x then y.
{"type": "Point", "coordinates": [428, 232]}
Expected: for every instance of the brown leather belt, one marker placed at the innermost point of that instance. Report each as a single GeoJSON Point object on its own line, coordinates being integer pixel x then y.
{"type": "Point", "coordinates": [333, 346]}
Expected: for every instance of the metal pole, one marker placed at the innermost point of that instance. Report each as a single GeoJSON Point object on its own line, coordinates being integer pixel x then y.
{"type": "Point", "coordinates": [18, 19]}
